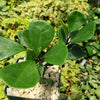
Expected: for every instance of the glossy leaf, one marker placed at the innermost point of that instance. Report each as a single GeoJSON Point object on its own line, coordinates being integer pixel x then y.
{"type": "Point", "coordinates": [8, 48]}
{"type": "Point", "coordinates": [75, 20]}
{"type": "Point", "coordinates": [74, 52]}
{"type": "Point", "coordinates": [89, 50]}
{"type": "Point", "coordinates": [64, 27]}
{"type": "Point", "coordinates": [57, 54]}
{"type": "Point", "coordinates": [23, 36]}
{"type": "Point", "coordinates": [29, 55]}
{"type": "Point", "coordinates": [84, 34]}
{"type": "Point", "coordinates": [40, 35]}
{"type": "Point", "coordinates": [20, 75]}
{"type": "Point", "coordinates": [96, 45]}
{"type": "Point", "coordinates": [62, 36]}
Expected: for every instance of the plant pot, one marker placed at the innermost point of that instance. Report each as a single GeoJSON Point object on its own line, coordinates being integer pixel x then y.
{"type": "Point", "coordinates": [43, 90]}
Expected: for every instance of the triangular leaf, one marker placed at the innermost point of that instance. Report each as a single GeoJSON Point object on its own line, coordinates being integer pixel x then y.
{"type": "Point", "coordinates": [57, 54]}
{"type": "Point", "coordinates": [84, 34]}
{"type": "Point", "coordinates": [20, 75]}
{"type": "Point", "coordinates": [74, 52]}
{"type": "Point", "coordinates": [38, 37]}
{"type": "Point", "coordinates": [75, 20]}
{"type": "Point", "coordinates": [89, 50]}
{"type": "Point", "coordinates": [8, 48]}
{"type": "Point", "coordinates": [62, 36]}
{"type": "Point", "coordinates": [41, 34]}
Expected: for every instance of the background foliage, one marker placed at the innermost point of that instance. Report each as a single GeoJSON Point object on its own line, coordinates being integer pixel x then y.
{"type": "Point", "coordinates": [80, 82]}
{"type": "Point", "coordinates": [16, 15]}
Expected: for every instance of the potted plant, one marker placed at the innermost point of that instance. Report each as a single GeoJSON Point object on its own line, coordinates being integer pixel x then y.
{"type": "Point", "coordinates": [34, 40]}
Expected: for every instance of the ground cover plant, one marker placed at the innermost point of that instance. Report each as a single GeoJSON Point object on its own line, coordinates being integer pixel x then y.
{"type": "Point", "coordinates": [80, 82]}
{"type": "Point", "coordinates": [93, 45]}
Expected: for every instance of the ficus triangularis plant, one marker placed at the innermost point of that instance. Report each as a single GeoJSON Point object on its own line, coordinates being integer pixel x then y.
{"type": "Point", "coordinates": [77, 31]}
{"type": "Point", "coordinates": [34, 40]}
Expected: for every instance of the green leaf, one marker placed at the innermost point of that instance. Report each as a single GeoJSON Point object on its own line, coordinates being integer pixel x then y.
{"type": "Point", "coordinates": [29, 55]}
{"type": "Point", "coordinates": [5, 8]}
{"type": "Point", "coordinates": [84, 34]}
{"type": "Point", "coordinates": [83, 87]}
{"type": "Point", "coordinates": [74, 52]}
{"type": "Point", "coordinates": [96, 58]}
{"type": "Point", "coordinates": [93, 98]}
{"type": "Point", "coordinates": [62, 88]}
{"type": "Point", "coordinates": [62, 35]}
{"type": "Point", "coordinates": [40, 35]}
{"type": "Point", "coordinates": [41, 68]}
{"type": "Point", "coordinates": [89, 50]}
{"type": "Point", "coordinates": [62, 96]}
{"type": "Point", "coordinates": [75, 20]}
{"type": "Point", "coordinates": [47, 80]}
{"type": "Point", "coordinates": [97, 92]}
{"type": "Point", "coordinates": [64, 27]}
{"type": "Point", "coordinates": [98, 53]}
{"type": "Point", "coordinates": [93, 84]}
{"type": "Point", "coordinates": [76, 93]}
{"type": "Point", "coordinates": [8, 48]}
{"type": "Point", "coordinates": [20, 75]}
{"type": "Point", "coordinates": [23, 36]}
{"type": "Point", "coordinates": [97, 21]}
{"type": "Point", "coordinates": [57, 54]}
{"type": "Point", "coordinates": [96, 45]}
{"type": "Point", "coordinates": [97, 10]}
{"type": "Point", "coordinates": [2, 3]}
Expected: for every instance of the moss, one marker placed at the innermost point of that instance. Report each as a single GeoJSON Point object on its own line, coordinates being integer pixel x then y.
{"type": "Point", "coordinates": [2, 95]}
{"type": "Point", "coordinates": [69, 73]}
